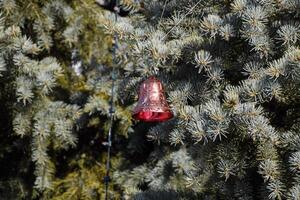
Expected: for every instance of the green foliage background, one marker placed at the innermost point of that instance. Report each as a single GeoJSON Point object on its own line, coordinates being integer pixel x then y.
{"type": "Point", "coordinates": [44, 114]}
{"type": "Point", "coordinates": [231, 71]}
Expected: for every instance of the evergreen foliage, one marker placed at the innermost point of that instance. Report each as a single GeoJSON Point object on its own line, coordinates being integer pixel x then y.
{"type": "Point", "coordinates": [231, 72]}
{"type": "Point", "coordinates": [49, 68]}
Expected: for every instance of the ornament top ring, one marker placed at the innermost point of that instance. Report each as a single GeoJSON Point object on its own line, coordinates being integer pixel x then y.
{"type": "Point", "coordinates": [152, 105]}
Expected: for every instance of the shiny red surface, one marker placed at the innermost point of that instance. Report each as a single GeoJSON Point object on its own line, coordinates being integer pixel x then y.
{"type": "Point", "coordinates": [149, 116]}
{"type": "Point", "coordinates": [152, 105]}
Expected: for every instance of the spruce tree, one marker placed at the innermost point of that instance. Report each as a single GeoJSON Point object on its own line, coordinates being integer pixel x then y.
{"type": "Point", "coordinates": [54, 99]}
{"type": "Point", "coordinates": [231, 71]}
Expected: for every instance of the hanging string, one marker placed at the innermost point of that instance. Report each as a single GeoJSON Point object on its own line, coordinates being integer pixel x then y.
{"type": "Point", "coordinates": [164, 8]}
{"type": "Point", "coordinates": [190, 10]}
{"type": "Point", "coordinates": [111, 109]}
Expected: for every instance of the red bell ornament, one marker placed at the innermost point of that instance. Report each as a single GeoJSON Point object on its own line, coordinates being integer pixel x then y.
{"type": "Point", "coordinates": [152, 105]}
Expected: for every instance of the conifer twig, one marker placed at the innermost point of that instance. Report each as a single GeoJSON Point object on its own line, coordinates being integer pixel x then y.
{"type": "Point", "coordinates": [191, 9]}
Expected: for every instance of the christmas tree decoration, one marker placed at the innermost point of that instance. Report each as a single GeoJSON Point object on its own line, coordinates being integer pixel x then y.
{"type": "Point", "coordinates": [152, 105]}
{"type": "Point", "coordinates": [69, 70]}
